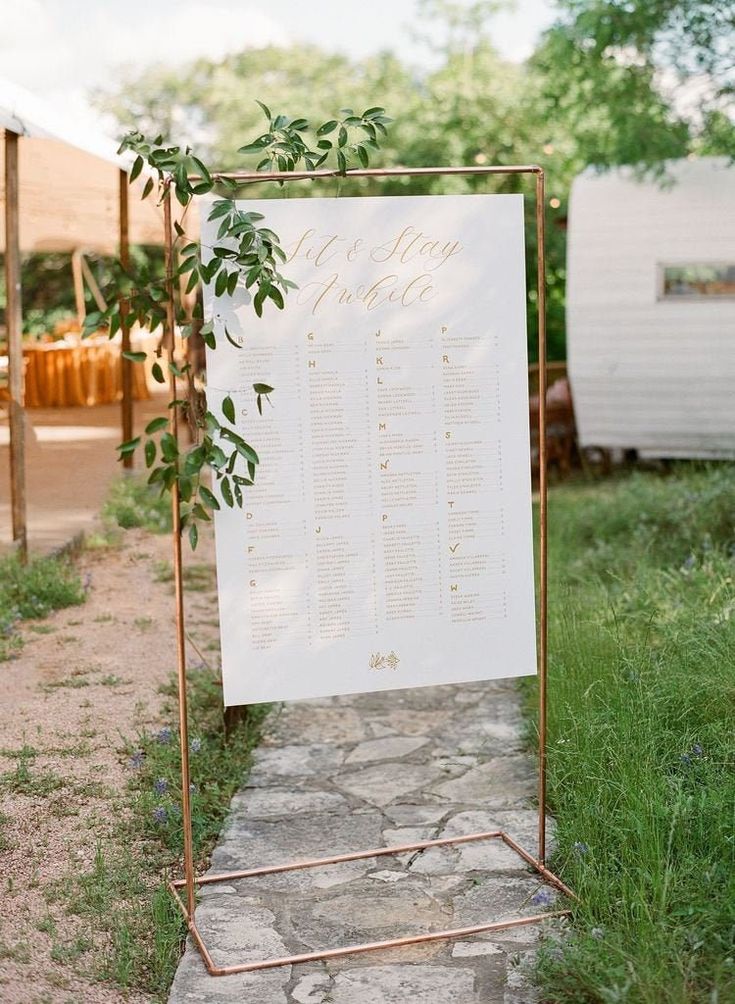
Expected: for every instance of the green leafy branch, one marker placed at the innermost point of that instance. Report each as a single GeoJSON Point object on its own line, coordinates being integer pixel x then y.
{"type": "Point", "coordinates": [245, 254]}
{"type": "Point", "coordinates": [284, 147]}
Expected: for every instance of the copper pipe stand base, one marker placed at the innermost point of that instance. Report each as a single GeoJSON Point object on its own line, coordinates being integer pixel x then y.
{"type": "Point", "coordinates": [412, 939]}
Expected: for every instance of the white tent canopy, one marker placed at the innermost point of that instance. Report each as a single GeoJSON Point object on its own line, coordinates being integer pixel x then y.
{"type": "Point", "coordinates": [68, 180]}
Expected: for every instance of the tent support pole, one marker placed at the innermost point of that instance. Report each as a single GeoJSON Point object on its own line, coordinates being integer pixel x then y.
{"type": "Point", "coordinates": [126, 364]}
{"type": "Point", "coordinates": [14, 329]}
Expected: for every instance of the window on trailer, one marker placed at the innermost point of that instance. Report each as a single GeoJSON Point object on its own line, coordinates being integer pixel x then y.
{"type": "Point", "coordinates": [701, 281]}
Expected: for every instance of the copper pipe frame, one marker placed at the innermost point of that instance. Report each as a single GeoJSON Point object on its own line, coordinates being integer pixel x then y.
{"type": "Point", "coordinates": [411, 939]}
{"type": "Point", "coordinates": [126, 365]}
{"type": "Point", "coordinates": [190, 881]}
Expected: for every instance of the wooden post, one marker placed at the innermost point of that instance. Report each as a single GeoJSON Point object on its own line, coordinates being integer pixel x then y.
{"type": "Point", "coordinates": [14, 331]}
{"type": "Point", "coordinates": [126, 364]}
{"type": "Point", "coordinates": [76, 273]}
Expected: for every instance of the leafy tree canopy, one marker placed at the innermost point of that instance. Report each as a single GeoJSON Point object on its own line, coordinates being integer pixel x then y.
{"type": "Point", "coordinates": [638, 81]}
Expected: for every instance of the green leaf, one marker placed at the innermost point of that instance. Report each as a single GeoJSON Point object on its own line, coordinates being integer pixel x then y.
{"type": "Point", "coordinates": [224, 487]}
{"type": "Point", "coordinates": [194, 460]}
{"type": "Point", "coordinates": [265, 109]}
{"type": "Point", "coordinates": [255, 147]}
{"type": "Point", "coordinates": [157, 373]}
{"type": "Point", "coordinates": [129, 446]}
{"type": "Point", "coordinates": [262, 388]}
{"type": "Point", "coordinates": [342, 136]}
{"type": "Point", "coordinates": [169, 447]}
{"type": "Point", "coordinates": [209, 497]}
{"type": "Point", "coordinates": [202, 170]}
{"type": "Point", "coordinates": [135, 357]}
{"type": "Point", "coordinates": [362, 156]}
{"type": "Point", "coordinates": [136, 169]}
{"type": "Point", "coordinates": [147, 189]}
{"type": "Point", "coordinates": [193, 536]}
{"type": "Point", "coordinates": [156, 425]}
{"type": "Point", "coordinates": [221, 284]}
{"type": "Point", "coordinates": [221, 208]}
{"type": "Point", "coordinates": [228, 409]}
{"type": "Point", "coordinates": [328, 127]}
{"type": "Point", "coordinates": [150, 452]}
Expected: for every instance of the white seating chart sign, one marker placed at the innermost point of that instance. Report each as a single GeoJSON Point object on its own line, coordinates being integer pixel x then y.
{"type": "Point", "coordinates": [387, 541]}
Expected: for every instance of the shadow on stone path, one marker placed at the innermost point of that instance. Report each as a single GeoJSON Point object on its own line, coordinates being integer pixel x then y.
{"type": "Point", "coordinates": [352, 773]}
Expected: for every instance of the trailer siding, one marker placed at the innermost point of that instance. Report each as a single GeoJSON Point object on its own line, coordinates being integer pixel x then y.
{"type": "Point", "coordinates": [650, 374]}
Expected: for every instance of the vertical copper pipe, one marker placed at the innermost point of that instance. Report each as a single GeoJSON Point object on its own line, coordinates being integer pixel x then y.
{"type": "Point", "coordinates": [14, 329]}
{"type": "Point", "coordinates": [543, 512]}
{"type": "Point", "coordinates": [178, 576]}
{"type": "Point", "coordinates": [126, 366]}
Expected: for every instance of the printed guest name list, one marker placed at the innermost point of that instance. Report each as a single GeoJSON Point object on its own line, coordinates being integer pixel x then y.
{"type": "Point", "coordinates": [387, 541]}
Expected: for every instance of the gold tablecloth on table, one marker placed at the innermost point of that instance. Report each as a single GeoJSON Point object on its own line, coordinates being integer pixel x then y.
{"type": "Point", "coordinates": [60, 374]}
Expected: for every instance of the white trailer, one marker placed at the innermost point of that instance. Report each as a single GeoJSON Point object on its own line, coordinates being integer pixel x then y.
{"type": "Point", "coordinates": [651, 310]}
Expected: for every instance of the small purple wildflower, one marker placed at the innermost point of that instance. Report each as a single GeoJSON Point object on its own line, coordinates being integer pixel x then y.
{"type": "Point", "coordinates": [544, 897]}
{"type": "Point", "coordinates": [697, 750]}
{"type": "Point", "coordinates": [161, 786]}
{"type": "Point", "coordinates": [87, 582]}
{"type": "Point", "coordinates": [165, 735]}
{"type": "Point", "coordinates": [581, 848]}
{"type": "Point", "coordinates": [159, 814]}
{"type": "Point", "coordinates": [689, 563]}
{"type": "Point", "coordinates": [195, 745]}
{"type": "Point", "coordinates": [685, 758]}
{"type": "Point", "coordinates": [598, 933]}
{"type": "Point", "coordinates": [193, 789]}
{"type": "Point", "coordinates": [137, 760]}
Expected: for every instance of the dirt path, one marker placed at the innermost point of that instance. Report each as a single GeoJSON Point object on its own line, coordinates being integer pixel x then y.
{"type": "Point", "coordinates": [87, 677]}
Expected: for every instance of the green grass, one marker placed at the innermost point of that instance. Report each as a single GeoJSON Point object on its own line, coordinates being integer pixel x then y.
{"type": "Point", "coordinates": [124, 894]}
{"type": "Point", "coordinates": [641, 751]}
{"type": "Point", "coordinates": [33, 591]}
{"type": "Point", "coordinates": [133, 503]}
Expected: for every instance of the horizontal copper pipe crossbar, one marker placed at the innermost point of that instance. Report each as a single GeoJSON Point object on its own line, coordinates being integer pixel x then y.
{"type": "Point", "coordinates": [413, 939]}
{"type": "Point", "coordinates": [246, 177]}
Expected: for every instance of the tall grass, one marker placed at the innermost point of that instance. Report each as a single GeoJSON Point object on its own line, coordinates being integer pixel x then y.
{"type": "Point", "coordinates": [641, 751]}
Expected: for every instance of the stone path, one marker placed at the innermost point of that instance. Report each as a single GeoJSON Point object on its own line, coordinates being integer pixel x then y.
{"type": "Point", "coordinates": [372, 770]}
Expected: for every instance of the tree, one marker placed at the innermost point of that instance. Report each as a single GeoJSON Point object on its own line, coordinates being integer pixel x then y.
{"type": "Point", "coordinates": [640, 81]}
